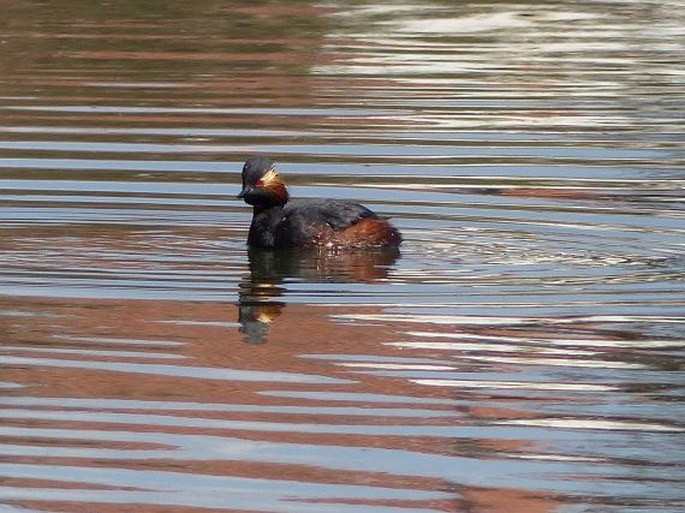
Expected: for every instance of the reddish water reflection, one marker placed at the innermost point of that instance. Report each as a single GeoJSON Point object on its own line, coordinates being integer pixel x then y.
{"type": "Point", "coordinates": [155, 388]}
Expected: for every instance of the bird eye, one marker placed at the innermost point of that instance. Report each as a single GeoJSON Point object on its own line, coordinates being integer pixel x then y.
{"type": "Point", "coordinates": [259, 182]}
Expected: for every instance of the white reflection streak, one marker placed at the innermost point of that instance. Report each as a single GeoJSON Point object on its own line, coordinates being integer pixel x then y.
{"type": "Point", "coordinates": [117, 341]}
{"type": "Point", "coordinates": [163, 421]}
{"type": "Point", "coordinates": [468, 383]}
{"type": "Point", "coordinates": [559, 362]}
{"type": "Point", "coordinates": [115, 405]}
{"type": "Point", "coordinates": [177, 371]}
{"type": "Point", "coordinates": [501, 321]}
{"type": "Point", "coordinates": [397, 366]}
{"type": "Point", "coordinates": [553, 341]}
{"type": "Point", "coordinates": [464, 24]}
{"type": "Point", "coordinates": [494, 347]}
{"type": "Point", "coordinates": [612, 425]}
{"type": "Point", "coordinates": [550, 457]}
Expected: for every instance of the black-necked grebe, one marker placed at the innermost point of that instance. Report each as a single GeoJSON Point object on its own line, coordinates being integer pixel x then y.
{"type": "Point", "coordinates": [276, 223]}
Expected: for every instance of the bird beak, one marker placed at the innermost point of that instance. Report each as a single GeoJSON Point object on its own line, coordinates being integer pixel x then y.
{"type": "Point", "coordinates": [246, 190]}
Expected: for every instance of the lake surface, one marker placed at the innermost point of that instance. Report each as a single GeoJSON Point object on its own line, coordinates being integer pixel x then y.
{"type": "Point", "coordinates": [524, 352]}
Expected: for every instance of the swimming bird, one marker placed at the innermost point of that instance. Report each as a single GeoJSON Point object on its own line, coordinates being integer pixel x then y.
{"type": "Point", "coordinates": [279, 223]}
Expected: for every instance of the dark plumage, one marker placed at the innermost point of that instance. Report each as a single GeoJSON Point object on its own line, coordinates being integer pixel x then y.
{"type": "Point", "coordinates": [332, 223]}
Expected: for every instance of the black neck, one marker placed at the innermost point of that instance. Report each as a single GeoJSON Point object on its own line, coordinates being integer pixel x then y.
{"type": "Point", "coordinates": [263, 207]}
{"type": "Point", "coordinates": [264, 225]}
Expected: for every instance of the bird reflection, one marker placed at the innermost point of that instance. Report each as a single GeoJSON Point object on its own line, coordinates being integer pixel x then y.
{"type": "Point", "coordinates": [260, 291]}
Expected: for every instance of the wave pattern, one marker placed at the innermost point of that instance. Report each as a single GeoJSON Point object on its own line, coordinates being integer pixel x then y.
{"type": "Point", "coordinates": [523, 352]}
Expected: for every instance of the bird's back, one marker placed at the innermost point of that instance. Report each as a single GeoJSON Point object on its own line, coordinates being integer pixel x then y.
{"type": "Point", "coordinates": [333, 223]}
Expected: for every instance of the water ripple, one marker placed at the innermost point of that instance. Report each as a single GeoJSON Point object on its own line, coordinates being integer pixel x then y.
{"type": "Point", "coordinates": [523, 351]}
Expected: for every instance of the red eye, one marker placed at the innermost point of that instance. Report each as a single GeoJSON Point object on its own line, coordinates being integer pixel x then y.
{"type": "Point", "coordinates": [259, 182]}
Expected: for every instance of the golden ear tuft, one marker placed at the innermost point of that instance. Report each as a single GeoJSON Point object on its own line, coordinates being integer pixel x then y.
{"type": "Point", "coordinates": [271, 182]}
{"type": "Point", "coordinates": [271, 177]}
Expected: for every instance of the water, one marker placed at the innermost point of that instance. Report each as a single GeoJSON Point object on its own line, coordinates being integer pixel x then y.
{"type": "Point", "coordinates": [523, 352]}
